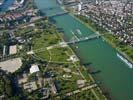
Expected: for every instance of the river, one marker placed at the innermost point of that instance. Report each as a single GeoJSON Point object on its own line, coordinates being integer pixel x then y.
{"type": "Point", "coordinates": [6, 5]}
{"type": "Point", "coordinates": [114, 74]}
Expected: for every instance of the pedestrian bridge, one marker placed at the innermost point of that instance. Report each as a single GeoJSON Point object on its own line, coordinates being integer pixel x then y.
{"type": "Point", "coordinates": [87, 38]}
{"type": "Point", "coordinates": [58, 14]}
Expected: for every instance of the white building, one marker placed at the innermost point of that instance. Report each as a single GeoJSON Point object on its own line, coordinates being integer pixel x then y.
{"type": "Point", "coordinates": [34, 68]}
{"type": "Point", "coordinates": [13, 50]}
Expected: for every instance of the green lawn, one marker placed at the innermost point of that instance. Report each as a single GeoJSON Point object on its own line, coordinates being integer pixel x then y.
{"type": "Point", "coordinates": [44, 55]}
{"type": "Point", "coordinates": [59, 54]}
{"type": "Point", "coordinates": [45, 40]}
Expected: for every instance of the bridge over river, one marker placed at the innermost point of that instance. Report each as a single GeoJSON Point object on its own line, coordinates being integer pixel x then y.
{"type": "Point", "coordinates": [115, 75]}
{"type": "Point", "coordinates": [58, 14]}
{"type": "Point", "coordinates": [83, 39]}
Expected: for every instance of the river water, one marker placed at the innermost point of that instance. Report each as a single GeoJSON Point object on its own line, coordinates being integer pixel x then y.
{"type": "Point", "coordinates": [114, 74]}
{"type": "Point", "coordinates": [6, 5]}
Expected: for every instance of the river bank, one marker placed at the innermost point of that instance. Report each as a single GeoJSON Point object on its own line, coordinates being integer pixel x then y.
{"type": "Point", "coordinates": [97, 52]}
{"type": "Point", "coordinates": [98, 90]}
{"type": "Point", "coordinates": [92, 78]}
{"type": "Point", "coordinates": [104, 37]}
{"type": "Point", "coordinates": [6, 4]}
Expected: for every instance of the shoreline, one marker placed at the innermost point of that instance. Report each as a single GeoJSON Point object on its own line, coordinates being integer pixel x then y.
{"type": "Point", "coordinates": [5, 6]}
{"type": "Point", "coordinates": [104, 38]}
{"type": "Point", "coordinates": [93, 78]}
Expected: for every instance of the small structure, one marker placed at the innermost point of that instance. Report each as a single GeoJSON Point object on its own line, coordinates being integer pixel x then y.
{"type": "Point", "coordinates": [81, 83]}
{"type": "Point", "coordinates": [67, 76]}
{"type": "Point", "coordinates": [34, 68]}
{"type": "Point", "coordinates": [30, 52]}
{"type": "Point", "coordinates": [63, 44]}
{"type": "Point", "coordinates": [4, 50]}
{"type": "Point", "coordinates": [79, 7]}
{"type": "Point", "coordinates": [13, 49]}
{"type": "Point", "coordinates": [74, 58]}
{"type": "Point", "coordinates": [45, 92]}
{"type": "Point", "coordinates": [30, 86]}
{"type": "Point", "coordinates": [23, 79]}
{"type": "Point", "coordinates": [20, 40]}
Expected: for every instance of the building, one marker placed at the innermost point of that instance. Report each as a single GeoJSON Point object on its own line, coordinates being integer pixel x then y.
{"type": "Point", "coordinates": [11, 65]}
{"type": "Point", "coordinates": [13, 49]}
{"type": "Point", "coordinates": [30, 86]}
{"type": "Point", "coordinates": [34, 68]}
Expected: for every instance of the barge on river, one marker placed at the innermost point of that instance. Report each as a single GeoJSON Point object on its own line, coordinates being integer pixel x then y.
{"type": "Point", "coordinates": [125, 60]}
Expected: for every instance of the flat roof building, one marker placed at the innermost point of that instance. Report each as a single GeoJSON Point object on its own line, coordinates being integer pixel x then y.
{"type": "Point", "coordinates": [34, 68]}
{"type": "Point", "coordinates": [13, 49]}
{"type": "Point", "coordinates": [11, 65]}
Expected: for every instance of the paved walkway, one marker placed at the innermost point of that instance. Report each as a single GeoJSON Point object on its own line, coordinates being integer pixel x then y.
{"type": "Point", "coordinates": [95, 94]}
{"type": "Point", "coordinates": [81, 89]}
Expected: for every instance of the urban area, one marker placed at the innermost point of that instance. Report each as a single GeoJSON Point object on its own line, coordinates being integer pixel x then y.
{"type": "Point", "coordinates": [37, 62]}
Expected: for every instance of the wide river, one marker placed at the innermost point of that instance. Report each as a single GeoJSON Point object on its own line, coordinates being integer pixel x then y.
{"type": "Point", "coordinates": [114, 74]}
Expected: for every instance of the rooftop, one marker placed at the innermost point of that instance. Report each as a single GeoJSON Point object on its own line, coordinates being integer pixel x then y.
{"type": "Point", "coordinates": [11, 65]}
{"type": "Point", "coordinates": [13, 49]}
{"type": "Point", "coordinates": [34, 68]}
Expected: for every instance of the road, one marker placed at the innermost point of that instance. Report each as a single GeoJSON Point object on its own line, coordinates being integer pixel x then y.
{"type": "Point", "coordinates": [82, 89]}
